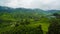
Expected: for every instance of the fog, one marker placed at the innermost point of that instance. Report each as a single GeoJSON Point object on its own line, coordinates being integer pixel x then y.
{"type": "Point", "coordinates": [42, 4]}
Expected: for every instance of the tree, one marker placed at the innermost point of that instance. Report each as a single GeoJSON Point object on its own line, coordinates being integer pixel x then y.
{"type": "Point", "coordinates": [54, 27]}
{"type": "Point", "coordinates": [39, 30]}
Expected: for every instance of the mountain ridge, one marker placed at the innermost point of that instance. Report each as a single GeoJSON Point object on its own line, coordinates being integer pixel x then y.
{"type": "Point", "coordinates": [8, 9]}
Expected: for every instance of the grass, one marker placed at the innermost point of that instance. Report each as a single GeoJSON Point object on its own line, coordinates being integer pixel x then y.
{"type": "Point", "coordinates": [44, 26]}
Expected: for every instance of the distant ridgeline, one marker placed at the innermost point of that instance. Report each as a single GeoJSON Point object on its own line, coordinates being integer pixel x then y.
{"type": "Point", "coordinates": [8, 9]}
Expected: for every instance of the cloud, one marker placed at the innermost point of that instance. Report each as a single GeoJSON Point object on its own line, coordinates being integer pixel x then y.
{"type": "Point", "coordinates": [42, 4]}
{"type": "Point", "coordinates": [47, 4]}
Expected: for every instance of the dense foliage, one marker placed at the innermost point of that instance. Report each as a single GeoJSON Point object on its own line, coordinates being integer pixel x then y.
{"type": "Point", "coordinates": [29, 21]}
{"type": "Point", "coordinates": [54, 27]}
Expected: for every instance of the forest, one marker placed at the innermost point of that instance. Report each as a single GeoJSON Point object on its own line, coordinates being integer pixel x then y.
{"type": "Point", "coordinates": [29, 21]}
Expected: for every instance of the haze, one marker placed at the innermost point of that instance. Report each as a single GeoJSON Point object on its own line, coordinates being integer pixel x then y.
{"type": "Point", "coordinates": [41, 4]}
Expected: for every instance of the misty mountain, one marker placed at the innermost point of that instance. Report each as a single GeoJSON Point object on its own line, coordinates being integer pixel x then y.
{"type": "Point", "coordinates": [24, 10]}
{"type": "Point", "coordinates": [5, 9]}
{"type": "Point", "coordinates": [53, 11]}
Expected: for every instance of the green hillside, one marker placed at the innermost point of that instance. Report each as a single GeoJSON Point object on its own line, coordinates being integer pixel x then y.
{"type": "Point", "coordinates": [26, 21]}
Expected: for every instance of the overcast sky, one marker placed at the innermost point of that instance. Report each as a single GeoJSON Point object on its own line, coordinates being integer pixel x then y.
{"type": "Point", "coordinates": [42, 4]}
